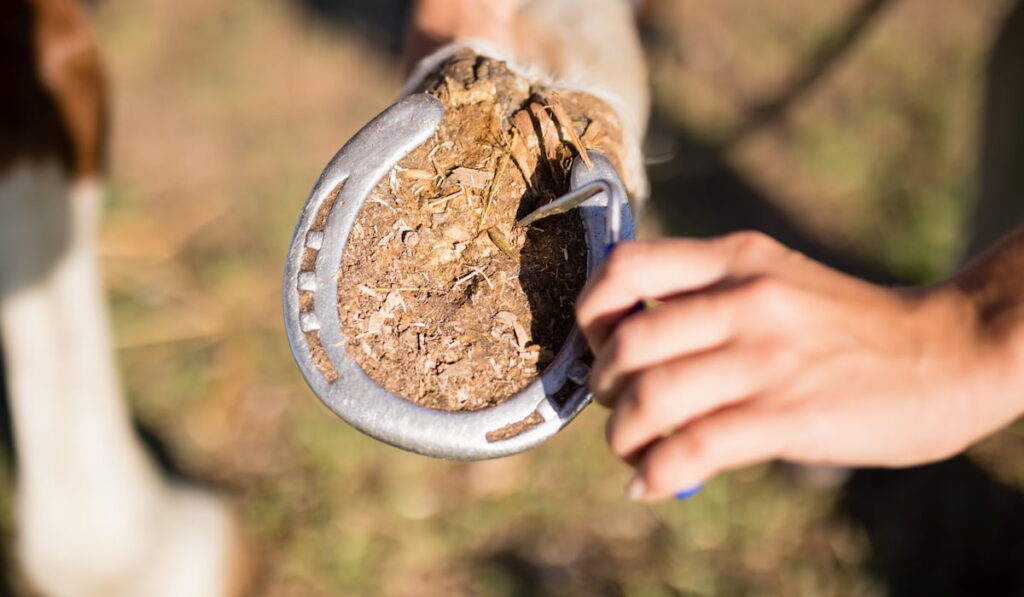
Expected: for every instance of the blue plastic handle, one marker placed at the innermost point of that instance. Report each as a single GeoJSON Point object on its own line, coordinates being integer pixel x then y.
{"type": "Point", "coordinates": [690, 492]}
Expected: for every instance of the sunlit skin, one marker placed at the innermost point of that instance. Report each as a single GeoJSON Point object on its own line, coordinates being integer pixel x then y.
{"type": "Point", "coordinates": [437, 22]}
{"type": "Point", "coordinates": [758, 353]}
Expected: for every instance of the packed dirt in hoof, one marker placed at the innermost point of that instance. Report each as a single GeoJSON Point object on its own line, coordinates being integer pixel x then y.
{"type": "Point", "coordinates": [442, 300]}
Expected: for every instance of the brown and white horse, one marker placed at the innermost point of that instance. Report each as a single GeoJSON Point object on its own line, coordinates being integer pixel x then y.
{"type": "Point", "coordinates": [95, 515]}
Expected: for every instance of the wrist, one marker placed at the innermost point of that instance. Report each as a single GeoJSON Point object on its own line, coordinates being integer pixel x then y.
{"type": "Point", "coordinates": [985, 329]}
{"type": "Point", "coordinates": [991, 285]}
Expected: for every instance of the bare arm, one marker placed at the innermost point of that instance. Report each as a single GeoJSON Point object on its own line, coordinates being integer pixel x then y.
{"type": "Point", "coordinates": [760, 353]}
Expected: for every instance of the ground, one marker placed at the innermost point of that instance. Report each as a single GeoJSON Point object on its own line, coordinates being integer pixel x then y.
{"type": "Point", "coordinates": [224, 113]}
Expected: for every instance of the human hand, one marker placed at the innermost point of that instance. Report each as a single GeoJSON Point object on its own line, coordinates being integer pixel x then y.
{"type": "Point", "coordinates": [758, 352]}
{"type": "Point", "coordinates": [435, 23]}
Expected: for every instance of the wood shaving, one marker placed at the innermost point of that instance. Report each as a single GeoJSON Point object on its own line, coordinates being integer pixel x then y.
{"type": "Point", "coordinates": [477, 179]}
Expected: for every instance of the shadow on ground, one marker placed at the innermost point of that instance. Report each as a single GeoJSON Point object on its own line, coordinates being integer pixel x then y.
{"type": "Point", "coordinates": [943, 529]}
{"type": "Point", "coordinates": [521, 565]}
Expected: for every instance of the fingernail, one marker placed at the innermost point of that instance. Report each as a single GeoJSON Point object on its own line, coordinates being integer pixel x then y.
{"type": "Point", "coordinates": [689, 492]}
{"type": "Point", "coordinates": [637, 489]}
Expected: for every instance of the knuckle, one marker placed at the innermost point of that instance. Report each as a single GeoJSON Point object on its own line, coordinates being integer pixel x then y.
{"type": "Point", "coordinates": [752, 249]}
{"type": "Point", "coordinates": [695, 447]}
{"type": "Point", "coordinates": [647, 396]}
{"type": "Point", "coordinates": [621, 426]}
{"type": "Point", "coordinates": [614, 350]}
{"type": "Point", "coordinates": [626, 341]}
{"type": "Point", "coordinates": [751, 242]}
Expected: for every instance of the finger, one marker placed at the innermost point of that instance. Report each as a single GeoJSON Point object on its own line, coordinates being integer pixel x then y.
{"type": "Point", "coordinates": [665, 397]}
{"type": "Point", "coordinates": [650, 269]}
{"type": "Point", "coordinates": [726, 440]}
{"type": "Point", "coordinates": [676, 328]}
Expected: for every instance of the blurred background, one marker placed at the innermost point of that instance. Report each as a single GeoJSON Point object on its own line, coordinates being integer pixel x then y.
{"type": "Point", "coordinates": [847, 128]}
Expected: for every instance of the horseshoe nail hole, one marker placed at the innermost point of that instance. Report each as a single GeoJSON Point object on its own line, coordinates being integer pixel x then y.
{"type": "Point", "coordinates": [307, 281]}
{"type": "Point", "coordinates": [315, 238]}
